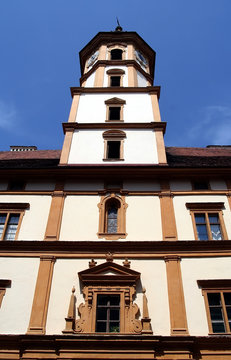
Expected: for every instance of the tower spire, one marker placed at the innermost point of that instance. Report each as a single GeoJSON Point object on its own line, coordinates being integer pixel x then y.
{"type": "Point", "coordinates": [118, 27]}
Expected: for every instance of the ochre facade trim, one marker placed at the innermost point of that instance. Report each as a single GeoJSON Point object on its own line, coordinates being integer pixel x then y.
{"type": "Point", "coordinates": [178, 319]}
{"type": "Point", "coordinates": [55, 214]}
{"type": "Point", "coordinates": [66, 145]}
{"type": "Point", "coordinates": [168, 220]}
{"type": "Point", "coordinates": [37, 324]}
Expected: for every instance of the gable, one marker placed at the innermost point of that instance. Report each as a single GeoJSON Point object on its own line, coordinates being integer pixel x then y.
{"type": "Point", "coordinates": [109, 272]}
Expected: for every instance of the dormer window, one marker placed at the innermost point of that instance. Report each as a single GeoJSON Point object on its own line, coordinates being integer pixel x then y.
{"type": "Point", "coordinates": [115, 77]}
{"type": "Point", "coordinates": [116, 54]}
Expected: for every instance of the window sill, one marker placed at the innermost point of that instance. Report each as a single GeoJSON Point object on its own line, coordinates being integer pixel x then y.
{"type": "Point", "coordinates": [119, 120]}
{"type": "Point", "coordinates": [113, 159]}
{"type": "Point", "coordinates": [220, 334]}
{"type": "Point", "coordinates": [115, 236]}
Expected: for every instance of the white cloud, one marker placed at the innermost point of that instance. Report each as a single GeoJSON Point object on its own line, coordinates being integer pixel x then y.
{"type": "Point", "coordinates": [213, 125]}
{"type": "Point", "coordinates": [7, 116]}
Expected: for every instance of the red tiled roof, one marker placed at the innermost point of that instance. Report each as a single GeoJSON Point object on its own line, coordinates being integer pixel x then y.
{"type": "Point", "coordinates": [176, 157]}
{"type": "Point", "coordinates": [197, 151]}
{"type": "Point", "coordinates": [217, 156]}
{"type": "Point", "coordinates": [26, 155]}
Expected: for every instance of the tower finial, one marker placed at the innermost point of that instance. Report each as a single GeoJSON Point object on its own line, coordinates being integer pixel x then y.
{"type": "Point", "coordinates": [118, 27]}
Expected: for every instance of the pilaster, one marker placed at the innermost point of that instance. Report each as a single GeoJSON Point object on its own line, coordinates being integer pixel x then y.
{"type": "Point", "coordinates": [55, 215]}
{"type": "Point", "coordinates": [178, 319]}
{"type": "Point", "coordinates": [37, 324]}
{"type": "Point", "coordinates": [168, 220]}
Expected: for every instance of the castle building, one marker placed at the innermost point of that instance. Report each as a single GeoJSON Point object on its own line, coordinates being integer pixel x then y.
{"type": "Point", "coordinates": [116, 247]}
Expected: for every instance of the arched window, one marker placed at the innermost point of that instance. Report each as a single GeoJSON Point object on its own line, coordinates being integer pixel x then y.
{"type": "Point", "coordinates": [116, 54]}
{"type": "Point", "coordinates": [112, 219]}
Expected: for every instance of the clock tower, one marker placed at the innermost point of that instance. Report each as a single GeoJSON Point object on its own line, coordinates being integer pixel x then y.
{"type": "Point", "coordinates": [114, 117]}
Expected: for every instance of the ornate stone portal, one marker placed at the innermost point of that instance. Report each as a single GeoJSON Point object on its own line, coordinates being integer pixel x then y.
{"type": "Point", "coordinates": [108, 279]}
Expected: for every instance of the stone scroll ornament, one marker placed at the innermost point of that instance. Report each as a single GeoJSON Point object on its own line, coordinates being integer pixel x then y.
{"type": "Point", "coordinates": [108, 278]}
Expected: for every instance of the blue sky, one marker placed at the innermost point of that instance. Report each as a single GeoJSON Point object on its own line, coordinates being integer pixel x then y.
{"type": "Point", "coordinates": [39, 45]}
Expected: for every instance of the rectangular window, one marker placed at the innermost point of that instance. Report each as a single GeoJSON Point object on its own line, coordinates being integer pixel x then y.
{"type": "Point", "coordinates": [200, 185]}
{"type": "Point", "coordinates": [208, 226]}
{"type": "Point", "coordinates": [8, 226]}
{"type": "Point", "coordinates": [115, 80]}
{"type": "Point", "coordinates": [208, 223]}
{"type": "Point", "coordinates": [3, 285]}
{"type": "Point", "coordinates": [108, 313]}
{"type": "Point", "coordinates": [114, 112]}
{"type": "Point", "coordinates": [219, 304]}
{"type": "Point", "coordinates": [16, 185]}
{"type": "Point", "coordinates": [217, 296]}
{"type": "Point", "coordinates": [10, 219]}
{"type": "Point", "coordinates": [113, 149]}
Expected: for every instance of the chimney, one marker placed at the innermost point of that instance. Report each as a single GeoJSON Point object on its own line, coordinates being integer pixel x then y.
{"type": "Point", "coordinates": [23, 148]}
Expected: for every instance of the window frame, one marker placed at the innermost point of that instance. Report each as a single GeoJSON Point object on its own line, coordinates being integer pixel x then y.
{"type": "Point", "coordinates": [216, 287]}
{"type": "Point", "coordinates": [115, 102]}
{"type": "Point", "coordinates": [115, 72]}
{"type": "Point", "coordinates": [107, 309]}
{"type": "Point", "coordinates": [9, 209]}
{"type": "Point", "coordinates": [12, 184]}
{"type": "Point", "coordinates": [201, 181]}
{"type": "Point", "coordinates": [121, 217]}
{"type": "Point", "coordinates": [117, 47]}
{"type": "Point", "coordinates": [3, 285]}
{"type": "Point", "coordinates": [207, 209]}
{"type": "Point", "coordinates": [114, 135]}
{"type": "Point", "coordinates": [122, 281]}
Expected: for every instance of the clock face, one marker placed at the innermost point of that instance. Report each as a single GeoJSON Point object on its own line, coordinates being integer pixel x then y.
{"type": "Point", "coordinates": [92, 59]}
{"type": "Point", "coordinates": [141, 59]}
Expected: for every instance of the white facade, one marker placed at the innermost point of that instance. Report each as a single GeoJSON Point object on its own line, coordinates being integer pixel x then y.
{"type": "Point", "coordinates": [139, 147]}
{"type": "Point", "coordinates": [92, 108]}
{"type": "Point", "coordinates": [65, 277]}
{"type": "Point", "coordinates": [34, 221]}
{"type": "Point", "coordinates": [17, 301]}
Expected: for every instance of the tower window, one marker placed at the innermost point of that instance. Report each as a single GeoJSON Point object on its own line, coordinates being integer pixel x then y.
{"type": "Point", "coordinates": [114, 109]}
{"type": "Point", "coordinates": [113, 145]}
{"type": "Point", "coordinates": [115, 81]}
{"type": "Point", "coordinates": [108, 313]}
{"type": "Point", "coordinates": [116, 54]}
{"type": "Point", "coordinates": [113, 149]}
{"type": "Point", "coordinates": [115, 77]}
{"type": "Point", "coordinates": [114, 112]}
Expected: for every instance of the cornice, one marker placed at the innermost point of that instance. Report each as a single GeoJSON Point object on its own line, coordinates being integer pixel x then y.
{"type": "Point", "coordinates": [120, 90]}
{"type": "Point", "coordinates": [81, 341]}
{"type": "Point", "coordinates": [105, 63]}
{"type": "Point", "coordinates": [141, 249]}
{"type": "Point", "coordinates": [128, 37]}
{"type": "Point", "coordinates": [114, 125]}
{"type": "Point", "coordinates": [107, 170]}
